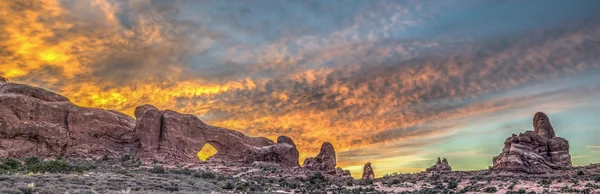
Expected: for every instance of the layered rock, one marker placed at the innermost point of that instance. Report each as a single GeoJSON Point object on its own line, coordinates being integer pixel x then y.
{"type": "Point", "coordinates": [536, 152]}
{"type": "Point", "coordinates": [170, 136]}
{"type": "Point", "coordinates": [368, 172]}
{"type": "Point", "coordinates": [325, 160]}
{"type": "Point", "coordinates": [440, 166]}
{"type": "Point", "coordinates": [284, 153]}
{"type": "Point", "coordinates": [37, 122]}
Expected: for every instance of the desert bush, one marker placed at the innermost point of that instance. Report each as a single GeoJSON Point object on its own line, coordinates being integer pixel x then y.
{"type": "Point", "coordinates": [55, 166]}
{"type": "Point", "coordinates": [317, 177]}
{"type": "Point", "coordinates": [350, 183]}
{"type": "Point", "coordinates": [491, 190]}
{"type": "Point", "coordinates": [452, 185]}
{"type": "Point", "coordinates": [242, 186]}
{"type": "Point", "coordinates": [11, 164]}
{"type": "Point", "coordinates": [32, 161]}
{"type": "Point", "coordinates": [158, 170]}
{"type": "Point", "coordinates": [125, 157]}
{"type": "Point", "coordinates": [104, 157]}
{"type": "Point", "coordinates": [205, 175]}
{"type": "Point", "coordinates": [227, 185]}
{"type": "Point", "coordinates": [597, 178]}
{"type": "Point", "coordinates": [580, 173]}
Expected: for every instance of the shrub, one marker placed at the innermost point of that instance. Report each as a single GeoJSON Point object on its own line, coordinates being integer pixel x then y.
{"type": "Point", "coordinates": [205, 175]}
{"type": "Point", "coordinates": [452, 185]}
{"type": "Point", "coordinates": [158, 170]}
{"type": "Point", "coordinates": [32, 161]}
{"type": "Point", "coordinates": [317, 178]}
{"type": "Point", "coordinates": [227, 185]}
{"type": "Point", "coordinates": [125, 157]}
{"type": "Point", "coordinates": [241, 186]}
{"type": "Point", "coordinates": [105, 157]}
{"type": "Point", "coordinates": [580, 173]}
{"type": "Point", "coordinates": [350, 183]}
{"type": "Point", "coordinates": [122, 171]}
{"type": "Point", "coordinates": [55, 166]}
{"type": "Point", "coordinates": [597, 178]}
{"type": "Point", "coordinates": [11, 164]}
{"type": "Point", "coordinates": [491, 190]}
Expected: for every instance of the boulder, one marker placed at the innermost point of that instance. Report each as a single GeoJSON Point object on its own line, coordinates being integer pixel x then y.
{"type": "Point", "coordinates": [534, 152]}
{"type": "Point", "coordinates": [440, 166]}
{"type": "Point", "coordinates": [368, 172]}
{"type": "Point", "coordinates": [325, 160]}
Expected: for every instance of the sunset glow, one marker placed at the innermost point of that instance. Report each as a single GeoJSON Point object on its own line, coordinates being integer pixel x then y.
{"type": "Point", "coordinates": [394, 83]}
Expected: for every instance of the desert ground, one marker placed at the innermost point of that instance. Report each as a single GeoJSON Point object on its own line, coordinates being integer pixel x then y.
{"type": "Point", "coordinates": [129, 175]}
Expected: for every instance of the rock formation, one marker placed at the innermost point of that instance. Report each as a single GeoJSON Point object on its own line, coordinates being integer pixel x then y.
{"type": "Point", "coordinates": [3, 80]}
{"type": "Point", "coordinates": [325, 161]}
{"type": "Point", "coordinates": [536, 152]}
{"type": "Point", "coordinates": [170, 136]}
{"type": "Point", "coordinates": [341, 172]}
{"type": "Point", "coordinates": [284, 153]}
{"type": "Point", "coordinates": [368, 172]}
{"type": "Point", "coordinates": [37, 122]}
{"type": "Point", "coordinates": [440, 166]}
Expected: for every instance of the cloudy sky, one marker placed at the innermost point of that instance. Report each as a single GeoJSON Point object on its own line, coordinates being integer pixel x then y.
{"type": "Point", "coordinates": [395, 83]}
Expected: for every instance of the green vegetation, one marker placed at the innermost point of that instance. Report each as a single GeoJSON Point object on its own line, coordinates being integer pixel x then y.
{"type": "Point", "coordinates": [205, 175]}
{"type": "Point", "coordinates": [55, 166]}
{"type": "Point", "coordinates": [491, 190]}
{"type": "Point", "coordinates": [452, 185]}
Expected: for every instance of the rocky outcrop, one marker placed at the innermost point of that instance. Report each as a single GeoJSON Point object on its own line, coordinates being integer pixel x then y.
{"type": "Point", "coordinates": [284, 153]}
{"type": "Point", "coordinates": [3, 80]}
{"type": "Point", "coordinates": [170, 136]}
{"type": "Point", "coordinates": [325, 161]}
{"type": "Point", "coordinates": [368, 172]}
{"type": "Point", "coordinates": [37, 122]}
{"type": "Point", "coordinates": [440, 166]}
{"type": "Point", "coordinates": [535, 152]}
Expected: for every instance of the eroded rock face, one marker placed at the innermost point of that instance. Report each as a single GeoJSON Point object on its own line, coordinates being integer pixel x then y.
{"type": "Point", "coordinates": [542, 126]}
{"type": "Point", "coordinates": [169, 136]}
{"type": "Point", "coordinates": [536, 152]}
{"type": "Point", "coordinates": [284, 153]}
{"type": "Point", "coordinates": [37, 122]}
{"type": "Point", "coordinates": [368, 172]}
{"type": "Point", "coordinates": [440, 166]}
{"type": "Point", "coordinates": [325, 161]}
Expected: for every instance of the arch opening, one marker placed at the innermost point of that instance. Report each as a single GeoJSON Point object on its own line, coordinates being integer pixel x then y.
{"type": "Point", "coordinates": [206, 152]}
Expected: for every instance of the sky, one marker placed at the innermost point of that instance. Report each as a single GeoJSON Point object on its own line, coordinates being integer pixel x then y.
{"type": "Point", "coordinates": [395, 83]}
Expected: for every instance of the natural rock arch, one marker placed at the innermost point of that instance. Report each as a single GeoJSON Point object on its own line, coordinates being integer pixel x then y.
{"type": "Point", "coordinates": [207, 151]}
